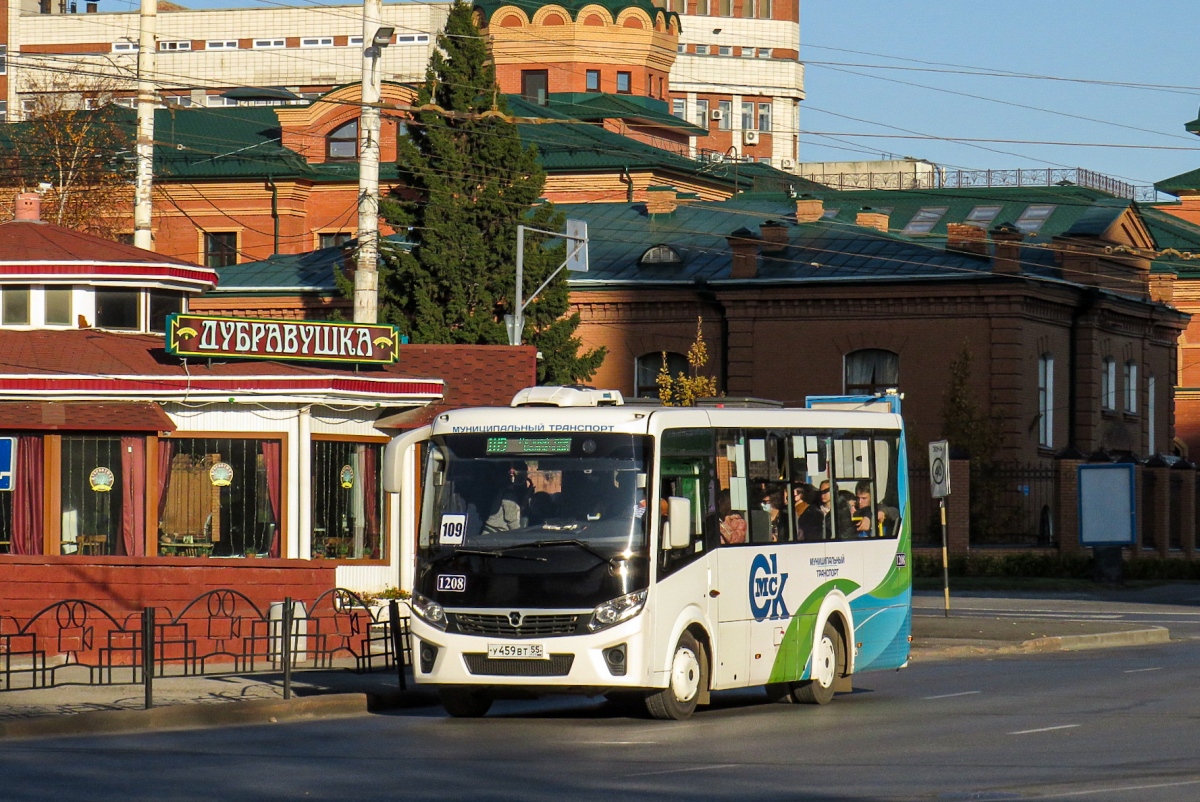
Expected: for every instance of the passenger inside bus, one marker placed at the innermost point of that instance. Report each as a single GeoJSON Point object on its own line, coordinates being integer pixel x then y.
{"type": "Point", "coordinates": [730, 522]}
{"type": "Point", "coordinates": [806, 506]}
{"type": "Point", "coordinates": [872, 520]}
{"type": "Point", "coordinates": [507, 509]}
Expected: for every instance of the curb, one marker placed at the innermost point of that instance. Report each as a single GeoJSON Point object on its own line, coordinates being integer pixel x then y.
{"type": "Point", "coordinates": [1107, 640]}
{"type": "Point", "coordinates": [188, 716]}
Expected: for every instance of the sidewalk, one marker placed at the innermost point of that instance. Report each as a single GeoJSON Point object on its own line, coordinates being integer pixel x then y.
{"type": "Point", "coordinates": [186, 702]}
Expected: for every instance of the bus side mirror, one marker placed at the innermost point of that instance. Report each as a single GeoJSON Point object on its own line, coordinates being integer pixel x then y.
{"type": "Point", "coordinates": [677, 534]}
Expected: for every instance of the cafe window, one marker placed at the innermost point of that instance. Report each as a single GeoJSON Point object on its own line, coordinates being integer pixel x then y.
{"type": "Point", "coordinates": [97, 475]}
{"type": "Point", "coordinates": [117, 309]}
{"type": "Point", "coordinates": [347, 501]}
{"type": "Point", "coordinates": [163, 303]}
{"type": "Point", "coordinates": [16, 305]}
{"type": "Point", "coordinates": [219, 497]}
{"type": "Point", "coordinates": [58, 306]}
{"type": "Point", "coordinates": [21, 511]}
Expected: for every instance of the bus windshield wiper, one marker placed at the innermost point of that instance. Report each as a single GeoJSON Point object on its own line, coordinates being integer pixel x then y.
{"type": "Point", "coordinates": [486, 553]}
{"type": "Point", "coordinates": [537, 544]}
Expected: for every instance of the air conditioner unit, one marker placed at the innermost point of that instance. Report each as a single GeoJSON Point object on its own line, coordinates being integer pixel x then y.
{"type": "Point", "coordinates": [750, 137]}
{"type": "Point", "coordinates": [787, 164]}
{"type": "Point", "coordinates": [717, 114]}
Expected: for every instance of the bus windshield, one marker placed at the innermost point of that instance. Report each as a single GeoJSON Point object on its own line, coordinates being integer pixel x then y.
{"type": "Point", "coordinates": [538, 506]}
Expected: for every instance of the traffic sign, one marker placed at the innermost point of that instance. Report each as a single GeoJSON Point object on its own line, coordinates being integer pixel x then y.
{"type": "Point", "coordinates": [939, 468]}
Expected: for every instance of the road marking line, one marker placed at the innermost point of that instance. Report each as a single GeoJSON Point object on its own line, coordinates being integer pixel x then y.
{"type": "Point", "coordinates": [1140, 670]}
{"type": "Point", "coordinates": [1118, 789]}
{"type": "Point", "coordinates": [618, 743]}
{"type": "Point", "coordinates": [1044, 729]}
{"type": "Point", "coordinates": [681, 771]}
{"type": "Point", "coordinates": [950, 695]}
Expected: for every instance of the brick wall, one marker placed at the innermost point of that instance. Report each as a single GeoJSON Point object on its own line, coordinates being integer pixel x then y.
{"type": "Point", "coordinates": [126, 585]}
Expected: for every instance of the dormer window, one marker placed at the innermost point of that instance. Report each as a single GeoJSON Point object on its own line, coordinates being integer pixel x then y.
{"type": "Point", "coordinates": [661, 255]}
{"type": "Point", "coordinates": [342, 143]}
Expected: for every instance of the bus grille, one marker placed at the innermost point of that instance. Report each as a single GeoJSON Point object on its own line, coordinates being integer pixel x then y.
{"type": "Point", "coordinates": [559, 665]}
{"type": "Point", "coordinates": [532, 626]}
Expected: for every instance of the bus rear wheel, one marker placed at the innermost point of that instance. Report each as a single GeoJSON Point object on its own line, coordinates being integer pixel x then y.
{"type": "Point", "coordinates": [827, 667]}
{"type": "Point", "coordinates": [463, 702]}
{"type": "Point", "coordinates": [687, 677]}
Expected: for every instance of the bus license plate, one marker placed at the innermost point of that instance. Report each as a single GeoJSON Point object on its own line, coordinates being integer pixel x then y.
{"type": "Point", "coordinates": [517, 651]}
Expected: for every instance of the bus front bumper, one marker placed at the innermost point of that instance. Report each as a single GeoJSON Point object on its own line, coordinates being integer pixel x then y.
{"type": "Point", "coordinates": [615, 657]}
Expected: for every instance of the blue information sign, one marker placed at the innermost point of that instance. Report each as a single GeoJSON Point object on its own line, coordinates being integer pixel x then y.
{"type": "Point", "coordinates": [8, 463]}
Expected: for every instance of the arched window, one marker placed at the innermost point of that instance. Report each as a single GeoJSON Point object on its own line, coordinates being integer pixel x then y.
{"type": "Point", "coordinates": [871, 370]}
{"type": "Point", "coordinates": [342, 143]}
{"type": "Point", "coordinates": [648, 367]}
{"type": "Point", "coordinates": [661, 255]}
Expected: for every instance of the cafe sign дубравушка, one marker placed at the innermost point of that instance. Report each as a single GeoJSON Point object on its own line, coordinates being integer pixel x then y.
{"type": "Point", "coordinates": [212, 337]}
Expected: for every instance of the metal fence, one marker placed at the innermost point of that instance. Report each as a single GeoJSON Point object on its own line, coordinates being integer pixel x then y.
{"type": "Point", "coordinates": [924, 518]}
{"type": "Point", "coordinates": [78, 642]}
{"type": "Point", "coordinates": [966, 179]}
{"type": "Point", "coordinates": [1012, 504]}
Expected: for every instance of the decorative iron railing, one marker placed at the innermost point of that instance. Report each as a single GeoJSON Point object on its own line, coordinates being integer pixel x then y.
{"type": "Point", "coordinates": [78, 642]}
{"type": "Point", "coordinates": [939, 178]}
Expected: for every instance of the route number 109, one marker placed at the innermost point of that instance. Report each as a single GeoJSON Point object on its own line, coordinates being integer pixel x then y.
{"type": "Point", "coordinates": [452, 529]}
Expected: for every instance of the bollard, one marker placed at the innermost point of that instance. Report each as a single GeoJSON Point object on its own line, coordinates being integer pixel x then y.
{"type": "Point", "coordinates": [148, 655]}
{"type": "Point", "coordinates": [397, 642]}
{"type": "Point", "coordinates": [285, 647]}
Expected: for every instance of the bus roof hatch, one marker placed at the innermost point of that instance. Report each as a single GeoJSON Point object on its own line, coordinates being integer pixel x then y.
{"type": "Point", "coordinates": [567, 397]}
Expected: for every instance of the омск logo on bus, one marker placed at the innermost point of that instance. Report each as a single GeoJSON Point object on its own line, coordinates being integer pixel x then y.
{"type": "Point", "coordinates": [766, 588]}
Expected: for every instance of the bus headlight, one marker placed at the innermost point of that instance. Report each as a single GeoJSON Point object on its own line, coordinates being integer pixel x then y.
{"type": "Point", "coordinates": [619, 609]}
{"type": "Point", "coordinates": [429, 611]}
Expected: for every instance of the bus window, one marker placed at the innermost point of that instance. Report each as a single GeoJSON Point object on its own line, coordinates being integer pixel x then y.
{"type": "Point", "coordinates": [733, 492]}
{"type": "Point", "coordinates": [865, 486]}
{"type": "Point", "coordinates": [686, 470]}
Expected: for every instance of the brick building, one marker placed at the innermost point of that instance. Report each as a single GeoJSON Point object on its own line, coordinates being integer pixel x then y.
{"type": "Point", "coordinates": [1051, 291]}
{"type": "Point", "coordinates": [701, 61]}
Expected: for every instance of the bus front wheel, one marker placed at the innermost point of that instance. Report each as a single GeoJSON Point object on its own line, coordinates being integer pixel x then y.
{"type": "Point", "coordinates": [462, 702]}
{"type": "Point", "coordinates": [678, 700]}
{"type": "Point", "coordinates": [827, 667]}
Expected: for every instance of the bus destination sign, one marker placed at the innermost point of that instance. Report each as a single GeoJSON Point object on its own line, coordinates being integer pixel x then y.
{"type": "Point", "coordinates": [214, 337]}
{"type": "Point", "coordinates": [529, 445]}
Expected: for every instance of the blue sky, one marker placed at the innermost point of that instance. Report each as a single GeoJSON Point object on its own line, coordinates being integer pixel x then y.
{"type": "Point", "coordinates": [1146, 42]}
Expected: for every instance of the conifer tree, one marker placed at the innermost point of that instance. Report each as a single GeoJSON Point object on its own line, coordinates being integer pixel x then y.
{"type": "Point", "coordinates": [470, 182]}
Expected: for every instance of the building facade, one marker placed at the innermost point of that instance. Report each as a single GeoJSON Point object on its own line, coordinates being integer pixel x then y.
{"type": "Point", "coordinates": [729, 69]}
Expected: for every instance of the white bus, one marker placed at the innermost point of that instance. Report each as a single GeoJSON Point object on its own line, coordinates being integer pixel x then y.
{"type": "Point", "coordinates": [575, 543]}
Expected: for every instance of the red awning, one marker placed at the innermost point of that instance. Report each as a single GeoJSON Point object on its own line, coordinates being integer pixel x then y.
{"type": "Point", "coordinates": [78, 416]}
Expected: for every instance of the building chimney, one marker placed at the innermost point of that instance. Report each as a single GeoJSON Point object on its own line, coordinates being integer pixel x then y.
{"type": "Point", "coordinates": [966, 238]}
{"type": "Point", "coordinates": [809, 209]}
{"type": "Point", "coordinates": [1006, 255]}
{"type": "Point", "coordinates": [743, 243]}
{"type": "Point", "coordinates": [869, 218]}
{"type": "Point", "coordinates": [774, 236]}
{"type": "Point", "coordinates": [661, 200]}
{"type": "Point", "coordinates": [28, 207]}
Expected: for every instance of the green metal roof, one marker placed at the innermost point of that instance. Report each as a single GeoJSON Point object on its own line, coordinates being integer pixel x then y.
{"type": "Point", "coordinates": [588, 106]}
{"type": "Point", "coordinates": [311, 272]}
{"type": "Point", "coordinates": [1179, 183]}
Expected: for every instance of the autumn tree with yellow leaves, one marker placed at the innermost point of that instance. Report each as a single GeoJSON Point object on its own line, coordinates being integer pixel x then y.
{"type": "Point", "coordinates": [682, 390]}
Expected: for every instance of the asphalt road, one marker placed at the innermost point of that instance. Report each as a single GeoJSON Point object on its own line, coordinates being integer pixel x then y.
{"type": "Point", "coordinates": [1118, 725]}
{"type": "Point", "coordinates": [1175, 608]}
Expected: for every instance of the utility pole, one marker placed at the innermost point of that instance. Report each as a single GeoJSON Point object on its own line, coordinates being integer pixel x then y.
{"type": "Point", "coordinates": [146, 101]}
{"type": "Point", "coordinates": [366, 272]}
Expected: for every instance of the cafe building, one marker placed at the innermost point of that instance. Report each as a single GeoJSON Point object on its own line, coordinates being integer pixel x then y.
{"type": "Point", "coordinates": [137, 436]}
